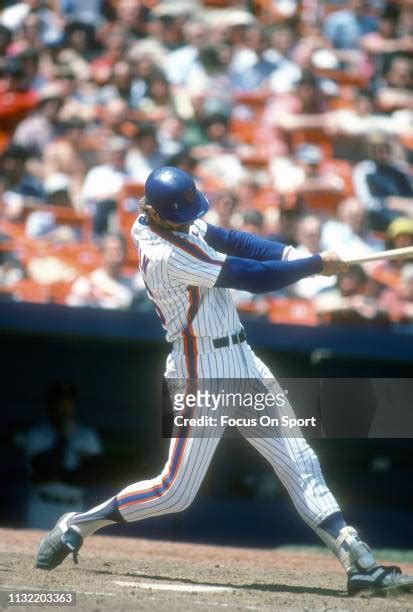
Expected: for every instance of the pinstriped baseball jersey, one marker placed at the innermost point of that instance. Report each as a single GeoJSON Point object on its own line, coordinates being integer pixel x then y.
{"type": "Point", "coordinates": [179, 271]}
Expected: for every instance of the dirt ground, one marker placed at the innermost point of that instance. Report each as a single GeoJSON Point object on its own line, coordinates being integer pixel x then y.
{"type": "Point", "coordinates": [137, 574]}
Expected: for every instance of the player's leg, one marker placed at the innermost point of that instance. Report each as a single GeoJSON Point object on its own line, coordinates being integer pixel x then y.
{"type": "Point", "coordinates": [171, 491]}
{"type": "Point", "coordinates": [298, 468]}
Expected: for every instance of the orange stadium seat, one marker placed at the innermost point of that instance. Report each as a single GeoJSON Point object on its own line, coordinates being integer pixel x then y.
{"type": "Point", "coordinates": [323, 201]}
{"type": "Point", "coordinates": [64, 215]}
{"type": "Point", "coordinates": [254, 159]}
{"type": "Point", "coordinates": [292, 311]}
{"type": "Point", "coordinates": [4, 140]}
{"type": "Point", "coordinates": [27, 291]}
{"type": "Point", "coordinates": [219, 3]}
{"type": "Point", "coordinates": [342, 77]}
{"type": "Point", "coordinates": [244, 130]}
{"type": "Point", "coordinates": [127, 209]}
{"type": "Point", "coordinates": [59, 291]}
{"type": "Point", "coordinates": [407, 140]}
{"type": "Point", "coordinates": [386, 277]}
{"type": "Point", "coordinates": [82, 257]}
{"type": "Point", "coordinates": [313, 136]}
{"type": "Point", "coordinates": [254, 99]}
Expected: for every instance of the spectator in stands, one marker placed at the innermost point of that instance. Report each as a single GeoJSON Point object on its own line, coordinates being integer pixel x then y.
{"type": "Point", "coordinates": [183, 160]}
{"type": "Point", "coordinates": [144, 155]}
{"type": "Point", "coordinates": [17, 98]}
{"type": "Point", "coordinates": [179, 63]}
{"type": "Point", "coordinates": [30, 61]}
{"type": "Point", "coordinates": [399, 302]}
{"type": "Point", "coordinates": [114, 50]}
{"type": "Point", "coordinates": [121, 85]}
{"type": "Point", "coordinates": [158, 101]}
{"type": "Point", "coordinates": [304, 108]}
{"type": "Point", "coordinates": [107, 286]}
{"type": "Point", "coordinates": [394, 90]}
{"type": "Point", "coordinates": [399, 235]}
{"type": "Point", "coordinates": [168, 22]}
{"type": "Point", "coordinates": [88, 11]}
{"type": "Point", "coordinates": [360, 119]}
{"type": "Point", "coordinates": [348, 303]}
{"type": "Point", "coordinates": [304, 174]}
{"type": "Point", "coordinates": [62, 456]}
{"type": "Point", "coordinates": [170, 136]}
{"type": "Point", "coordinates": [180, 69]}
{"type": "Point", "coordinates": [112, 120]}
{"type": "Point", "coordinates": [133, 16]}
{"type": "Point", "coordinates": [286, 73]}
{"type": "Point", "coordinates": [399, 74]}
{"type": "Point", "coordinates": [288, 213]}
{"type": "Point", "coordinates": [253, 222]}
{"type": "Point", "coordinates": [28, 35]}
{"type": "Point", "coordinates": [80, 36]}
{"type": "Point", "coordinates": [381, 45]}
{"type": "Point", "coordinates": [17, 179]}
{"type": "Point", "coordinates": [344, 28]}
{"type": "Point", "coordinates": [209, 79]}
{"type": "Point", "coordinates": [251, 67]}
{"type": "Point", "coordinates": [11, 269]}
{"type": "Point", "coordinates": [219, 151]}
{"type": "Point", "coordinates": [40, 127]}
{"type": "Point", "coordinates": [5, 40]}
{"type": "Point", "coordinates": [215, 137]}
{"type": "Point", "coordinates": [349, 234]}
{"type": "Point", "coordinates": [63, 156]}
{"type": "Point", "coordinates": [386, 273]}
{"type": "Point", "coordinates": [308, 243]}
{"type": "Point", "coordinates": [78, 50]}
{"type": "Point", "coordinates": [224, 204]}
{"type": "Point", "coordinates": [383, 186]}
{"type": "Point", "coordinates": [103, 184]}
{"type": "Point", "coordinates": [57, 189]}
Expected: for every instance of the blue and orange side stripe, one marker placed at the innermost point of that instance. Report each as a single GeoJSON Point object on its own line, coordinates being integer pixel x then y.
{"type": "Point", "coordinates": [137, 497]}
{"type": "Point", "coordinates": [190, 349]}
{"type": "Point", "coordinates": [191, 357]}
{"type": "Point", "coordinates": [187, 246]}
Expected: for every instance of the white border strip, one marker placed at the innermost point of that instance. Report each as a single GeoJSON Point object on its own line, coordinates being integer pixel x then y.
{"type": "Point", "coordinates": [182, 588]}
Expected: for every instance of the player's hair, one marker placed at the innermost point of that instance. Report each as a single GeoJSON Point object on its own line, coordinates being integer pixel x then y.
{"type": "Point", "coordinates": [143, 205]}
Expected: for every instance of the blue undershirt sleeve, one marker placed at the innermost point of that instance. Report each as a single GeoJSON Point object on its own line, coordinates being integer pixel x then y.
{"type": "Point", "coordinates": [243, 244]}
{"type": "Point", "coordinates": [265, 276]}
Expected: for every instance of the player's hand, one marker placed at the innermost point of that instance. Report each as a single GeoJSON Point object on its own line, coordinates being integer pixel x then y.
{"type": "Point", "coordinates": [332, 263]}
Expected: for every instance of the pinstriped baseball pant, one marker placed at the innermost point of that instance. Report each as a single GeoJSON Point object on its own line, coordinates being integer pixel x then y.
{"type": "Point", "coordinates": [292, 459]}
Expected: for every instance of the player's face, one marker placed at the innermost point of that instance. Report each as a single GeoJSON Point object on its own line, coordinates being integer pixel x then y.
{"type": "Point", "coordinates": [174, 227]}
{"type": "Point", "coordinates": [113, 251]}
{"type": "Point", "coordinates": [178, 227]}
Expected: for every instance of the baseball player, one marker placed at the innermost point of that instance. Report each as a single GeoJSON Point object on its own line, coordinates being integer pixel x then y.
{"type": "Point", "coordinates": [188, 267]}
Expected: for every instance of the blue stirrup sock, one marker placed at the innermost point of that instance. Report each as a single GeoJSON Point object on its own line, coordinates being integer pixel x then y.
{"type": "Point", "coordinates": [100, 516]}
{"type": "Point", "coordinates": [333, 524]}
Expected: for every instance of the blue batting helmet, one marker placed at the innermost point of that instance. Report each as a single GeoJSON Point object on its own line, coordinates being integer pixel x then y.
{"type": "Point", "coordinates": [173, 194]}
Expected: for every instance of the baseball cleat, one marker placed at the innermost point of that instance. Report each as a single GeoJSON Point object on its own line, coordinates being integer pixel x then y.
{"type": "Point", "coordinates": [60, 542]}
{"type": "Point", "coordinates": [379, 581]}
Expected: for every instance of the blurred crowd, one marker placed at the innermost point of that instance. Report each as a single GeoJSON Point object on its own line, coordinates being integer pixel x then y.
{"type": "Point", "coordinates": [295, 117]}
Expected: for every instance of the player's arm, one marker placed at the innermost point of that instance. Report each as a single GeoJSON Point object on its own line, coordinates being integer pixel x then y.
{"type": "Point", "coordinates": [264, 276]}
{"type": "Point", "coordinates": [243, 244]}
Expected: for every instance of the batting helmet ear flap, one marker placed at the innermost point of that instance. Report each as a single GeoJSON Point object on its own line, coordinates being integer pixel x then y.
{"type": "Point", "coordinates": [173, 194]}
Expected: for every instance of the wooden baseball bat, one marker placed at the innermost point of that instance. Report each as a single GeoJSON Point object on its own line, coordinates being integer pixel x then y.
{"type": "Point", "coordinates": [391, 254]}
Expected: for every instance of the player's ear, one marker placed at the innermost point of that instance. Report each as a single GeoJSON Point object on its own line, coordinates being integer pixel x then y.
{"type": "Point", "coordinates": [153, 214]}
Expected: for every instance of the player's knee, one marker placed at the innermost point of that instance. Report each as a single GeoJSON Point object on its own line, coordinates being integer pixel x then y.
{"type": "Point", "coordinates": [181, 502]}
